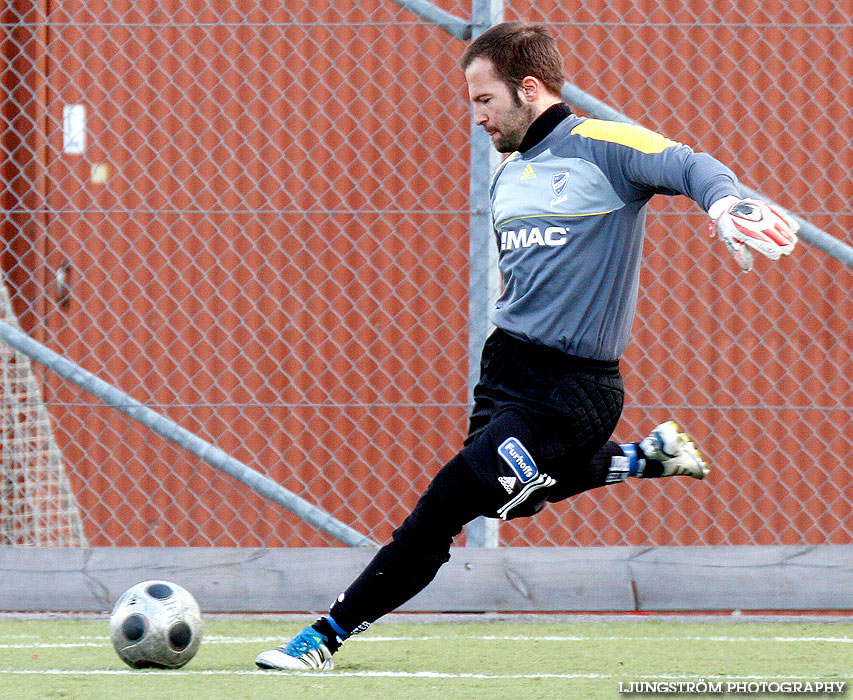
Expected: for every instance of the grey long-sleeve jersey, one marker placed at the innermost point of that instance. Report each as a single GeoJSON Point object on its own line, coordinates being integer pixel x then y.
{"type": "Point", "coordinates": [569, 218]}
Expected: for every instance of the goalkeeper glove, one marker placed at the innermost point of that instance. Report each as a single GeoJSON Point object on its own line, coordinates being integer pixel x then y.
{"type": "Point", "coordinates": [751, 223]}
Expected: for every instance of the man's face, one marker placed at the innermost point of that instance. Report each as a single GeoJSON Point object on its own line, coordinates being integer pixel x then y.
{"type": "Point", "coordinates": [497, 108]}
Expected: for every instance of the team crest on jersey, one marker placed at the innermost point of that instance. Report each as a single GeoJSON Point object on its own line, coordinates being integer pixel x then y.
{"type": "Point", "coordinates": [558, 182]}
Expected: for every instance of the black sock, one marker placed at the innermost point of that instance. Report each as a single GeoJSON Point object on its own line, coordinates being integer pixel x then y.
{"type": "Point", "coordinates": [333, 638]}
{"type": "Point", "coordinates": [653, 468]}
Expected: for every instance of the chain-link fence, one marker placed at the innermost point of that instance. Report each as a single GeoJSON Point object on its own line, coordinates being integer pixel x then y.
{"type": "Point", "coordinates": [254, 218]}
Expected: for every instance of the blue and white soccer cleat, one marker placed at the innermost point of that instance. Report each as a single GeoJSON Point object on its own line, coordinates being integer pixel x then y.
{"type": "Point", "coordinates": [675, 450]}
{"type": "Point", "coordinates": [307, 651]}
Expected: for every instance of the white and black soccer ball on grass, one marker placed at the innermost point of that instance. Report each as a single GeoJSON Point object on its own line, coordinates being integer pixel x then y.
{"type": "Point", "coordinates": [156, 624]}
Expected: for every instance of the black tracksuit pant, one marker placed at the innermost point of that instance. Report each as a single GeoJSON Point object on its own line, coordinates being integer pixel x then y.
{"type": "Point", "coordinates": [539, 432]}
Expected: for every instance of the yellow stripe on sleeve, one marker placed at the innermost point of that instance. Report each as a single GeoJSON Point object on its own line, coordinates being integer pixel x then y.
{"type": "Point", "coordinates": [636, 137]}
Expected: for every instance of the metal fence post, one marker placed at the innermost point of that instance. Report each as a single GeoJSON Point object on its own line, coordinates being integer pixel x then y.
{"type": "Point", "coordinates": [484, 282]}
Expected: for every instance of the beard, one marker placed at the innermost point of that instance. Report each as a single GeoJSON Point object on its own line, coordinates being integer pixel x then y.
{"type": "Point", "coordinates": [513, 129]}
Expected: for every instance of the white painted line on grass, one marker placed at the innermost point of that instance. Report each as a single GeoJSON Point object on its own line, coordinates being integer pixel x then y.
{"type": "Point", "coordinates": [309, 674]}
{"type": "Point", "coordinates": [63, 645]}
{"type": "Point", "coordinates": [386, 674]}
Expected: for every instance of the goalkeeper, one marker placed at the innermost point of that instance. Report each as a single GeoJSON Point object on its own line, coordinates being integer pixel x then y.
{"type": "Point", "coordinates": [568, 210]}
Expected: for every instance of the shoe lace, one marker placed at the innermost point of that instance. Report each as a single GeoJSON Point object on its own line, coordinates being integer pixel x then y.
{"type": "Point", "coordinates": [303, 642]}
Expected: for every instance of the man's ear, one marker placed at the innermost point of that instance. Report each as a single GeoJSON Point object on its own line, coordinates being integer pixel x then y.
{"type": "Point", "coordinates": [530, 88]}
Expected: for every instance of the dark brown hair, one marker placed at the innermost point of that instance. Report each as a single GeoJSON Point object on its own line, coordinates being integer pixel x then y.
{"type": "Point", "coordinates": [517, 50]}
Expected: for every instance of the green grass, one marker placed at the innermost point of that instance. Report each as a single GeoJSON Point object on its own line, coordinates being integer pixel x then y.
{"type": "Point", "coordinates": [72, 658]}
